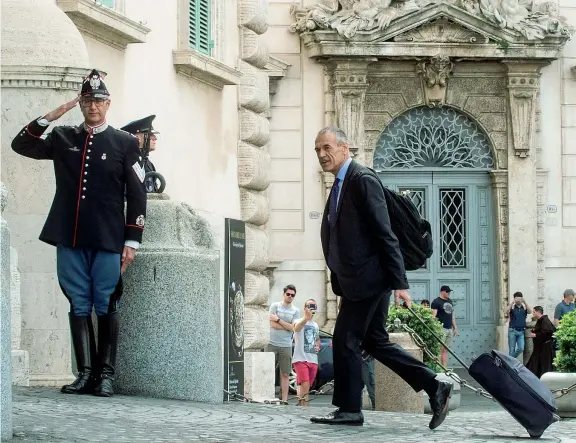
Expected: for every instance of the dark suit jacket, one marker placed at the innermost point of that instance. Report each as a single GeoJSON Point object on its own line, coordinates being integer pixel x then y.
{"type": "Point", "coordinates": [364, 253]}
{"type": "Point", "coordinates": [92, 173]}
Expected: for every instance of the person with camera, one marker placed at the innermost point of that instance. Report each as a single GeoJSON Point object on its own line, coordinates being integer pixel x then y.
{"type": "Point", "coordinates": [518, 310]}
{"type": "Point", "coordinates": [306, 348]}
{"type": "Point", "coordinates": [96, 166]}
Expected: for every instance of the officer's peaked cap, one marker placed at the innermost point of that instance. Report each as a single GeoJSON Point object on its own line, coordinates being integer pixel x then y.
{"type": "Point", "coordinates": [140, 126]}
{"type": "Point", "coordinates": [94, 86]}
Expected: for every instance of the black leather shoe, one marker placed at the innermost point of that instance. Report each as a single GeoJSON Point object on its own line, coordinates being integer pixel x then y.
{"type": "Point", "coordinates": [439, 404]}
{"type": "Point", "coordinates": [84, 344]}
{"type": "Point", "coordinates": [338, 417]}
{"type": "Point", "coordinates": [107, 345]}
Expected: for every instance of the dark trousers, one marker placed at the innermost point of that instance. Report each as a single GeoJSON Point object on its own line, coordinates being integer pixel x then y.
{"type": "Point", "coordinates": [88, 278]}
{"type": "Point", "coordinates": [364, 323]}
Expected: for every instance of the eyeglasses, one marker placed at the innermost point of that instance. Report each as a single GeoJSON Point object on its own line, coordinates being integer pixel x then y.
{"type": "Point", "coordinates": [86, 103]}
{"type": "Point", "coordinates": [290, 294]}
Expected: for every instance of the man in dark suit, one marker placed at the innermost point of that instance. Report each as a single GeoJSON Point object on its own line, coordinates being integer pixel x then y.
{"type": "Point", "coordinates": [365, 261]}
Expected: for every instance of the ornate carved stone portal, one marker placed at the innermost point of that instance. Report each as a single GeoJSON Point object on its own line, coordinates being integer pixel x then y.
{"type": "Point", "coordinates": [388, 60]}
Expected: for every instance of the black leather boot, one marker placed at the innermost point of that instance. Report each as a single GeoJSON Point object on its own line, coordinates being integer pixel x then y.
{"type": "Point", "coordinates": [107, 345]}
{"type": "Point", "coordinates": [84, 344]}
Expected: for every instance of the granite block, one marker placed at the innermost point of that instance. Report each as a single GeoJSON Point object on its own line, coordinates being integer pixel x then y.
{"type": "Point", "coordinates": [392, 393]}
{"type": "Point", "coordinates": [5, 329]}
{"type": "Point", "coordinates": [259, 375]}
{"type": "Point", "coordinates": [170, 343]}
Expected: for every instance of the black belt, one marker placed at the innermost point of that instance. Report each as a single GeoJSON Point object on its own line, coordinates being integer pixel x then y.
{"type": "Point", "coordinates": [519, 329]}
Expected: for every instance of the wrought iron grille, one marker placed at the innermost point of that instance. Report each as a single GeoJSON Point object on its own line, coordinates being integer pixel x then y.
{"type": "Point", "coordinates": [432, 137]}
{"type": "Point", "coordinates": [453, 227]}
{"type": "Point", "coordinates": [418, 197]}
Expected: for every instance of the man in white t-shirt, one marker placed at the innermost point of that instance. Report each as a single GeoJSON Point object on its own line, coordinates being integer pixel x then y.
{"type": "Point", "coordinates": [306, 347]}
{"type": "Point", "coordinates": [283, 315]}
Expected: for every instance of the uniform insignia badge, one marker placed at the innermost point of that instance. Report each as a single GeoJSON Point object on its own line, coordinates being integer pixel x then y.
{"type": "Point", "coordinates": [140, 221]}
{"type": "Point", "coordinates": [95, 82]}
{"type": "Point", "coordinates": [74, 149]}
{"type": "Point", "coordinates": [104, 156]}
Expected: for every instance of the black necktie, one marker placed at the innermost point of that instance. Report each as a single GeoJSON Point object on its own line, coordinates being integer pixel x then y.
{"type": "Point", "coordinates": [333, 204]}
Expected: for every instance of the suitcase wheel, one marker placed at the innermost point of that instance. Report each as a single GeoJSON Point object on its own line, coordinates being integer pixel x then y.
{"type": "Point", "coordinates": [535, 435]}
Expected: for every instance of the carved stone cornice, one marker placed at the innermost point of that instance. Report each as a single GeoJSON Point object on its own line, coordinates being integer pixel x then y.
{"type": "Point", "coordinates": [435, 73]}
{"type": "Point", "coordinates": [43, 77]}
{"type": "Point", "coordinates": [523, 90]}
{"type": "Point", "coordinates": [349, 81]}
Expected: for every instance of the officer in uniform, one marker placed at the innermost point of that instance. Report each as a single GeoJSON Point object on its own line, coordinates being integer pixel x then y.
{"type": "Point", "coordinates": [147, 138]}
{"type": "Point", "coordinates": [95, 166]}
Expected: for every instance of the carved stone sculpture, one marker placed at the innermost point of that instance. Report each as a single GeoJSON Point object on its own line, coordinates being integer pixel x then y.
{"type": "Point", "coordinates": [348, 17]}
{"type": "Point", "coordinates": [435, 73]}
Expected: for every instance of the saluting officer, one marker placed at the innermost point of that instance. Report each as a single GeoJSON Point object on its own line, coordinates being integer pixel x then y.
{"type": "Point", "coordinates": [147, 138]}
{"type": "Point", "coordinates": [95, 166]}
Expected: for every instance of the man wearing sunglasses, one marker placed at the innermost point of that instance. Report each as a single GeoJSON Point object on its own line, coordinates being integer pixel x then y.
{"type": "Point", "coordinates": [95, 167]}
{"type": "Point", "coordinates": [283, 316]}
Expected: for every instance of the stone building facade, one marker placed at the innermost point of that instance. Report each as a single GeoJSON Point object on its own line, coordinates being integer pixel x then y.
{"type": "Point", "coordinates": [465, 104]}
{"type": "Point", "coordinates": [203, 68]}
{"type": "Point", "coordinates": [469, 107]}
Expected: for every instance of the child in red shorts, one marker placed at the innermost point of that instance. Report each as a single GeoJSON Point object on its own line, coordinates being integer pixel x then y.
{"type": "Point", "coordinates": [306, 347]}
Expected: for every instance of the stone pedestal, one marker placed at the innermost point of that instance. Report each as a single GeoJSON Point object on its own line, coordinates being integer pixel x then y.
{"type": "Point", "coordinates": [5, 330]}
{"type": "Point", "coordinates": [528, 341]}
{"type": "Point", "coordinates": [170, 315]}
{"type": "Point", "coordinates": [559, 380]}
{"type": "Point", "coordinates": [392, 393]}
{"type": "Point", "coordinates": [259, 375]}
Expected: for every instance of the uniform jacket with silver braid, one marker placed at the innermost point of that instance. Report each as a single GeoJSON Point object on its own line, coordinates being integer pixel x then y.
{"type": "Point", "coordinates": [94, 170]}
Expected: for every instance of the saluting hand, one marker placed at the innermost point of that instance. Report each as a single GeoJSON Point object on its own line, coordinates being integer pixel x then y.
{"type": "Point", "coordinates": [62, 109]}
{"type": "Point", "coordinates": [128, 255]}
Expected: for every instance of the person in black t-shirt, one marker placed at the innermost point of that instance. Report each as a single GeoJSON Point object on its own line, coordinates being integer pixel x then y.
{"type": "Point", "coordinates": [443, 310]}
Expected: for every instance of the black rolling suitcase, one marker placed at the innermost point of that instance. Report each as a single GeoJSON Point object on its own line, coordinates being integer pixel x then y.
{"type": "Point", "coordinates": [510, 383]}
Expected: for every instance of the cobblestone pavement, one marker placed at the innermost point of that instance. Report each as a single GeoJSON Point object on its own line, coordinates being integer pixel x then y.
{"type": "Point", "coordinates": [47, 415]}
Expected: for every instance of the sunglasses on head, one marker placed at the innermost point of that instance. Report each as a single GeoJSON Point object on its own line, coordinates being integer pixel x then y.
{"type": "Point", "coordinates": [290, 294]}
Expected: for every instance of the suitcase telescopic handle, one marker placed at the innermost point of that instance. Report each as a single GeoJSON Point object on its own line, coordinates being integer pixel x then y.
{"type": "Point", "coordinates": [439, 339]}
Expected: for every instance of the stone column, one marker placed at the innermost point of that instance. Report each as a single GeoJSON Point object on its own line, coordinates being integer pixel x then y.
{"type": "Point", "coordinates": [350, 82]}
{"type": "Point", "coordinates": [500, 189]}
{"type": "Point", "coordinates": [523, 90]}
{"type": "Point", "coordinates": [39, 73]}
{"type": "Point", "coordinates": [5, 330]}
{"type": "Point", "coordinates": [254, 179]}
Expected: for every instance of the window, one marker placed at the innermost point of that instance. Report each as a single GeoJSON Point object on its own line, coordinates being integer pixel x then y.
{"type": "Point", "coordinates": [109, 3]}
{"type": "Point", "coordinates": [199, 29]}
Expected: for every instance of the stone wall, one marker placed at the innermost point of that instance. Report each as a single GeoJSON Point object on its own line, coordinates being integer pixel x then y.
{"type": "Point", "coordinates": [254, 166]}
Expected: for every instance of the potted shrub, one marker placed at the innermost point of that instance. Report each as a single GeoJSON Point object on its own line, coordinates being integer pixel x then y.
{"type": "Point", "coordinates": [425, 314]}
{"type": "Point", "coordinates": [565, 364]}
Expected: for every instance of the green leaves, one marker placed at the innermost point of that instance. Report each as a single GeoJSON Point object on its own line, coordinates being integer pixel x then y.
{"type": "Point", "coordinates": [432, 322]}
{"type": "Point", "coordinates": [565, 335]}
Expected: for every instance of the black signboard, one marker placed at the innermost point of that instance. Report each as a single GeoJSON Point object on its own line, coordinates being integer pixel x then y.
{"type": "Point", "coordinates": [235, 251]}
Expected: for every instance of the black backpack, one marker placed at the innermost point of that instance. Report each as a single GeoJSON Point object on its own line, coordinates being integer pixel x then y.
{"type": "Point", "coordinates": [414, 232]}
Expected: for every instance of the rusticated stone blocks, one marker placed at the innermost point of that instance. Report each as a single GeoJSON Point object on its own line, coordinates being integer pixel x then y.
{"type": "Point", "coordinates": [256, 248]}
{"type": "Point", "coordinates": [254, 207]}
{"type": "Point", "coordinates": [254, 89]}
{"type": "Point", "coordinates": [253, 49]}
{"type": "Point", "coordinates": [254, 128]}
{"type": "Point", "coordinates": [256, 327]}
{"type": "Point", "coordinates": [256, 289]}
{"type": "Point", "coordinates": [253, 167]}
{"type": "Point", "coordinates": [253, 14]}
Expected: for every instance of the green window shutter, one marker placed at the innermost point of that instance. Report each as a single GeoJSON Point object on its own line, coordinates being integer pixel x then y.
{"type": "Point", "coordinates": [199, 29]}
{"type": "Point", "coordinates": [109, 3]}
